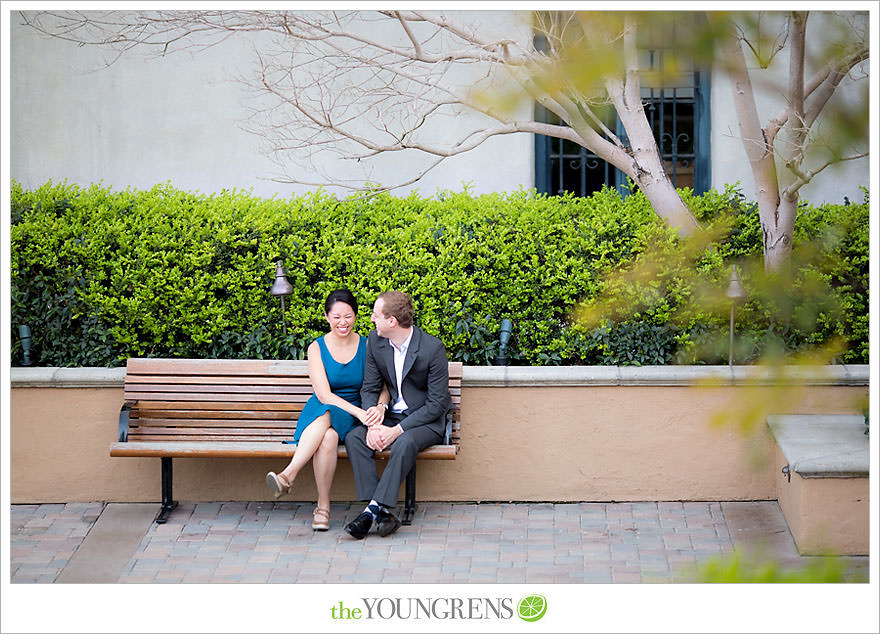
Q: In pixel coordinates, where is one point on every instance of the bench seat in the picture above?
(228, 449)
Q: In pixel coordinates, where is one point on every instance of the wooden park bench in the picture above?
(224, 408)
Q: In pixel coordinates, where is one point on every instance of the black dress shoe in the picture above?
(360, 526)
(387, 523)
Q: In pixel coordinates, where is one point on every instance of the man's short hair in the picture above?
(398, 305)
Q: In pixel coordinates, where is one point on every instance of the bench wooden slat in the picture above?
(178, 435)
(165, 403)
(218, 397)
(154, 392)
(206, 441)
(217, 380)
(222, 367)
(244, 423)
(181, 449)
(136, 382)
(214, 414)
(303, 391)
(208, 432)
(219, 406)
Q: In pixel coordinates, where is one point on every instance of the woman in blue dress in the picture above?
(336, 370)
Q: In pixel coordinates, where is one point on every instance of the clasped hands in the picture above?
(379, 436)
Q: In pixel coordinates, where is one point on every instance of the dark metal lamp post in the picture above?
(736, 293)
(504, 337)
(281, 288)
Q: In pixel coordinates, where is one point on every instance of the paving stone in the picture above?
(237, 542)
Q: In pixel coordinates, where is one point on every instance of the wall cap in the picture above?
(529, 376)
(823, 445)
(667, 375)
(67, 377)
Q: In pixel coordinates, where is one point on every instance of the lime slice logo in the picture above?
(532, 608)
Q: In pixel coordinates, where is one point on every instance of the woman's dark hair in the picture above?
(341, 295)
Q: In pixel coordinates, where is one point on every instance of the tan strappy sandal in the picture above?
(278, 483)
(321, 519)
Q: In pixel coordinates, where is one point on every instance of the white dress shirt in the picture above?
(399, 358)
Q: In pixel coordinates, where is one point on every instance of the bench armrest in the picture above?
(447, 434)
(123, 422)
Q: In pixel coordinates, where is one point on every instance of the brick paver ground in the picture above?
(237, 542)
(45, 536)
(456, 543)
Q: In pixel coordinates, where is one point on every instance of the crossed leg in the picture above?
(310, 442)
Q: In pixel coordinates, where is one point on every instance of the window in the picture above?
(679, 115)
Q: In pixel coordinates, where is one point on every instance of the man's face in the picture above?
(383, 323)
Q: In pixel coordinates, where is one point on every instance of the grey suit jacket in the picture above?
(425, 383)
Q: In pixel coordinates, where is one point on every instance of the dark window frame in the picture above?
(701, 154)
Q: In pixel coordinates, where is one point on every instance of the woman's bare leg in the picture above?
(324, 464)
(309, 442)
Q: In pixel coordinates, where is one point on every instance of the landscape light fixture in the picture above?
(281, 288)
(736, 293)
(24, 333)
(504, 337)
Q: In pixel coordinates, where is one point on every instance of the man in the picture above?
(413, 365)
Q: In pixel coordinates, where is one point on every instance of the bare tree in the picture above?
(791, 148)
(367, 84)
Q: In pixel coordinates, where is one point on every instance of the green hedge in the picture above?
(101, 275)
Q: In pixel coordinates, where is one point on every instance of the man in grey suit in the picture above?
(413, 365)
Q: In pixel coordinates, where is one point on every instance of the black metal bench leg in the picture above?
(409, 504)
(168, 503)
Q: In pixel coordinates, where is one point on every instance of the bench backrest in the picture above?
(227, 399)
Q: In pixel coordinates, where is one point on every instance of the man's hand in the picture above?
(375, 416)
(388, 435)
(374, 438)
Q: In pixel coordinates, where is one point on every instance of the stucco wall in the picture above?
(142, 121)
(538, 434)
(825, 515)
(731, 166)
(179, 119)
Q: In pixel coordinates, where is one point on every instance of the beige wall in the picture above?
(588, 443)
(825, 515)
(68, 123)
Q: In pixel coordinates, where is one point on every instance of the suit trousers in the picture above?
(404, 450)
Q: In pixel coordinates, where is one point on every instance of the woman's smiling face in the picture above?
(341, 318)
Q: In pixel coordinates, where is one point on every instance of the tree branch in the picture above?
(804, 177)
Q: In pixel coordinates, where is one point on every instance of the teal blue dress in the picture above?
(345, 381)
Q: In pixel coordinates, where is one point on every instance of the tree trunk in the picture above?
(777, 226)
(645, 164)
(777, 214)
(667, 204)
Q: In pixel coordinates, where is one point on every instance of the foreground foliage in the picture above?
(739, 568)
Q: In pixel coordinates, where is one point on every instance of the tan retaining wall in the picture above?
(528, 434)
(825, 515)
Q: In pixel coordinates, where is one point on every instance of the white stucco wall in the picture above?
(142, 121)
(178, 119)
(729, 162)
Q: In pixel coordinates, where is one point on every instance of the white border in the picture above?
(573, 608)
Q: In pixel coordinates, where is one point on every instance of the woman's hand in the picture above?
(374, 416)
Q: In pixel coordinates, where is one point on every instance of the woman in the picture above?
(336, 370)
